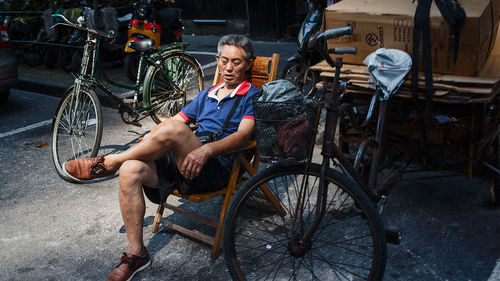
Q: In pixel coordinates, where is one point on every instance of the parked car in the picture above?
(8, 64)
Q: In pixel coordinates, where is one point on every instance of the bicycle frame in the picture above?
(332, 101)
(331, 151)
(101, 80)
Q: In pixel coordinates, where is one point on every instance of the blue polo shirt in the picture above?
(210, 114)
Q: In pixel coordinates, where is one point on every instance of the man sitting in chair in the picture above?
(172, 156)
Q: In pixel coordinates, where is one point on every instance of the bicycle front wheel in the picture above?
(301, 76)
(265, 226)
(179, 69)
(76, 129)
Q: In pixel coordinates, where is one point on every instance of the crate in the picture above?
(284, 131)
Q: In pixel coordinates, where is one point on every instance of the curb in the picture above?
(34, 85)
(58, 86)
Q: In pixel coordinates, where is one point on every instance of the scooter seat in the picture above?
(142, 45)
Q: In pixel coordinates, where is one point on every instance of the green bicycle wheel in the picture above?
(76, 129)
(179, 69)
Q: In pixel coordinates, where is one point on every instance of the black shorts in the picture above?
(213, 176)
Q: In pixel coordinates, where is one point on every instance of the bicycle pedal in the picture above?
(128, 101)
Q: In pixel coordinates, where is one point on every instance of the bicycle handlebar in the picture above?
(74, 25)
(337, 32)
(329, 34)
(342, 50)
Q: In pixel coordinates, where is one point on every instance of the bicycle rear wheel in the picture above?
(348, 243)
(183, 71)
(76, 129)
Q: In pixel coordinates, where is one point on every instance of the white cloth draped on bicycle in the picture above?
(388, 69)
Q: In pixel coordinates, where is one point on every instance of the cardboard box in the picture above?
(389, 24)
(492, 66)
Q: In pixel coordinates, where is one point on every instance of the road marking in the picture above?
(209, 65)
(27, 128)
(495, 274)
(203, 53)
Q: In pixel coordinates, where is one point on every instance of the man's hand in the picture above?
(194, 162)
(196, 159)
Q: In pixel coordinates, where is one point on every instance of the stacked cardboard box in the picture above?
(389, 24)
(492, 66)
(449, 88)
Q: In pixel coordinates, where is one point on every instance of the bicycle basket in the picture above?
(284, 131)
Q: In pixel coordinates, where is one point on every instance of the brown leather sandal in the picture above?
(87, 169)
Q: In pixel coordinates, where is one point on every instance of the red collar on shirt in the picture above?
(241, 90)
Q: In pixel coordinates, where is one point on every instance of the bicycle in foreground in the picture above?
(308, 221)
(171, 76)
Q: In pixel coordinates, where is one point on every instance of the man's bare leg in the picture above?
(174, 136)
(134, 174)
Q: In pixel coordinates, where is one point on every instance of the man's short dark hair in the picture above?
(237, 40)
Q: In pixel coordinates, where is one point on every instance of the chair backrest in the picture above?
(264, 70)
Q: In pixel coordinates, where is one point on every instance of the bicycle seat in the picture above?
(142, 45)
(388, 69)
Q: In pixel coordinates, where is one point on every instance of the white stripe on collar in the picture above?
(212, 93)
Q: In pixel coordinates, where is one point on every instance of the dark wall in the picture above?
(219, 9)
(275, 18)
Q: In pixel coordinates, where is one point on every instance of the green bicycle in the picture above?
(171, 76)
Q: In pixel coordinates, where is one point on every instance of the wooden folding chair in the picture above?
(263, 71)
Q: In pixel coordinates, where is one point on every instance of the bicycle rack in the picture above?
(49, 43)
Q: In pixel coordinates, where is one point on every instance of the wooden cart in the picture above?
(463, 137)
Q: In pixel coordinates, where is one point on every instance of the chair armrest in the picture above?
(249, 145)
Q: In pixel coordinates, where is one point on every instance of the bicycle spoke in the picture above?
(309, 268)
(262, 240)
(76, 129)
(170, 85)
(348, 249)
(336, 211)
(342, 245)
(335, 266)
(260, 256)
(280, 262)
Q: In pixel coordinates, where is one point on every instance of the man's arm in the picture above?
(239, 138)
(196, 159)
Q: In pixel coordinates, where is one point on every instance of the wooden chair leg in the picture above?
(227, 200)
(158, 216)
(274, 201)
(265, 189)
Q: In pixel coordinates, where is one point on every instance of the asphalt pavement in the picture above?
(54, 230)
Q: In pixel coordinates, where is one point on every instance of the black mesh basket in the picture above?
(284, 131)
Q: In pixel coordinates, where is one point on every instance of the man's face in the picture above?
(233, 65)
